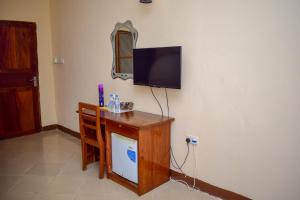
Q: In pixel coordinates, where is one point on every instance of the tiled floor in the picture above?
(47, 166)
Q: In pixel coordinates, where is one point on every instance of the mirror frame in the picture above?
(122, 26)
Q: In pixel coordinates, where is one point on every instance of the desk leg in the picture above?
(108, 151)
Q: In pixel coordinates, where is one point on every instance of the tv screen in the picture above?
(157, 67)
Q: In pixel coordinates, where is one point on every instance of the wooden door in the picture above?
(19, 91)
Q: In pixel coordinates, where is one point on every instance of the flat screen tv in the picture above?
(157, 67)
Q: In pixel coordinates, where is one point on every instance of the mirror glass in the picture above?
(123, 40)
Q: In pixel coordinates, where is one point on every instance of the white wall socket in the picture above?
(193, 139)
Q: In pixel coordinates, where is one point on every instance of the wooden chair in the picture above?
(91, 136)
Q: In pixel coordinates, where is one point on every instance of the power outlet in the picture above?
(193, 139)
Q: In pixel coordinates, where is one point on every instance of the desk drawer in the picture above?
(122, 129)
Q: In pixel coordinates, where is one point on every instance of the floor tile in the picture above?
(74, 168)
(53, 197)
(45, 169)
(56, 156)
(30, 183)
(63, 185)
(6, 182)
(15, 168)
(17, 196)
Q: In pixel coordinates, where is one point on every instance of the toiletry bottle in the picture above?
(101, 95)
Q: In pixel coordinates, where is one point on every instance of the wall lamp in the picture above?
(145, 1)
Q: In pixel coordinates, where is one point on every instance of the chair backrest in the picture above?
(89, 119)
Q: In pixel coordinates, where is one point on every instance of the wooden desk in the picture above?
(152, 133)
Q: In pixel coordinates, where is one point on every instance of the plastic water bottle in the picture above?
(111, 104)
(117, 104)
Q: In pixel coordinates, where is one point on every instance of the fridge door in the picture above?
(124, 157)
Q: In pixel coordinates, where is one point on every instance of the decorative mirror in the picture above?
(123, 41)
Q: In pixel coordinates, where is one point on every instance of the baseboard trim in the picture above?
(203, 186)
(62, 128)
(49, 127)
(207, 188)
(68, 131)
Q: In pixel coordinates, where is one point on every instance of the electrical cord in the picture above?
(193, 187)
(176, 166)
(167, 101)
(195, 166)
(185, 159)
(162, 113)
(181, 181)
(172, 154)
(186, 184)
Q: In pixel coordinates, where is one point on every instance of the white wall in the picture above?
(240, 83)
(37, 11)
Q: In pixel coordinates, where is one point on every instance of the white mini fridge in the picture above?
(124, 157)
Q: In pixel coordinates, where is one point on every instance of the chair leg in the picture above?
(84, 155)
(101, 162)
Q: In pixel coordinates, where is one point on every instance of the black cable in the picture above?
(167, 101)
(176, 167)
(162, 113)
(185, 159)
(172, 154)
(187, 154)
